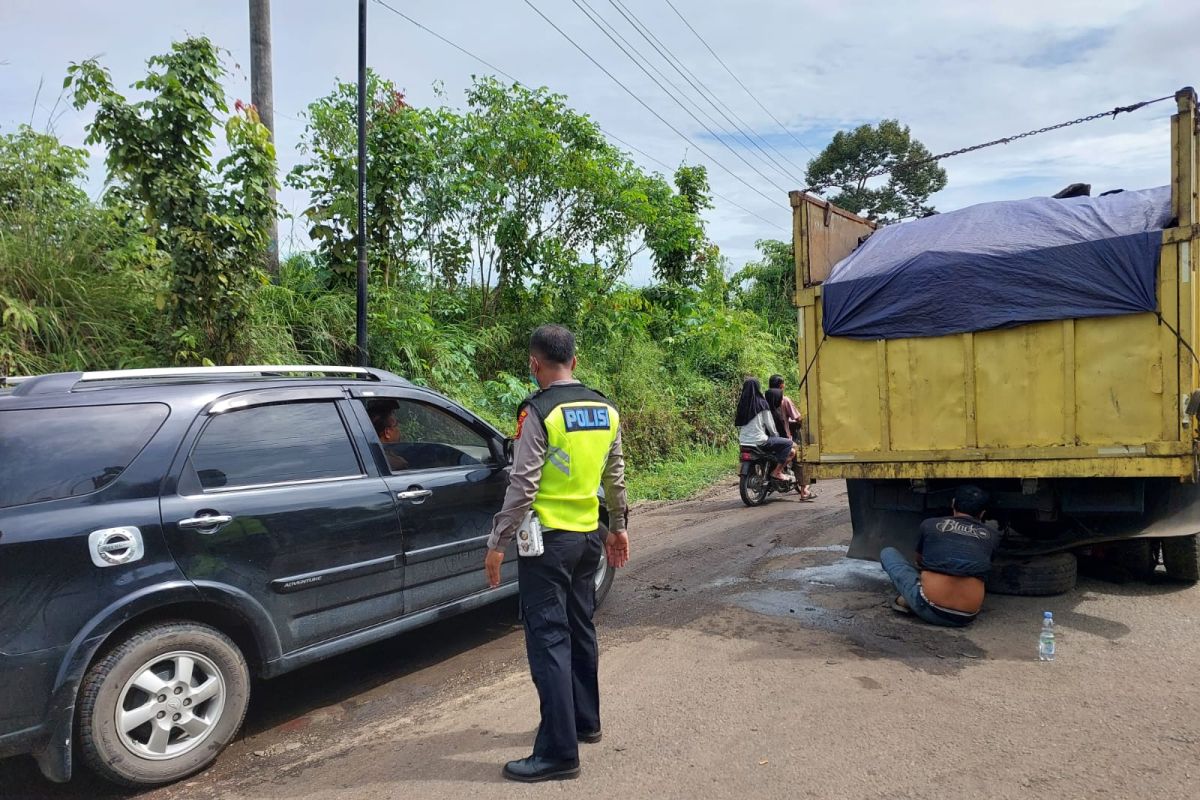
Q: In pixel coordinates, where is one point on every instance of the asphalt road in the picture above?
(744, 656)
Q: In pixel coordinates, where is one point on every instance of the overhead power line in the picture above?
(598, 19)
(708, 94)
(437, 35)
(746, 88)
(917, 162)
(607, 133)
(647, 106)
(582, 6)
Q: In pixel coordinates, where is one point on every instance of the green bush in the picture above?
(78, 284)
(485, 224)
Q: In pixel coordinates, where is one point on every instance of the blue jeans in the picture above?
(907, 580)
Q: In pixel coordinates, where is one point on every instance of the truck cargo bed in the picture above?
(1077, 398)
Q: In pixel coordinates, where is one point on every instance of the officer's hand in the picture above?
(491, 565)
(617, 548)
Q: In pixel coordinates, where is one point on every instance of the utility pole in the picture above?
(361, 315)
(262, 96)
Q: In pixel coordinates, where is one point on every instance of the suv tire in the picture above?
(1181, 558)
(604, 580)
(1034, 577)
(199, 680)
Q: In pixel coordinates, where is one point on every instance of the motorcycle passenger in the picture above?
(775, 403)
(756, 428)
(793, 430)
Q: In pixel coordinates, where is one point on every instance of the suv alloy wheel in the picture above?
(162, 704)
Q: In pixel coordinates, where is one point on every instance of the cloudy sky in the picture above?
(957, 72)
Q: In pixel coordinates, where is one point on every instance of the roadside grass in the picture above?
(679, 480)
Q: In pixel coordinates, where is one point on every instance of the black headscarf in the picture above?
(751, 404)
(775, 403)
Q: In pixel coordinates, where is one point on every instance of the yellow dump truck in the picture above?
(1082, 428)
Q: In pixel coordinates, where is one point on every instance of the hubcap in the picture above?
(170, 705)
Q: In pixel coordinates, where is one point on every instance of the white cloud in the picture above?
(958, 73)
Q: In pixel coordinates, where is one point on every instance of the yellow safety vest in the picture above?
(581, 426)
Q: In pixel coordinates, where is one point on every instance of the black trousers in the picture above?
(558, 598)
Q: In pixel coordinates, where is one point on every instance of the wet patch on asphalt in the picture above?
(818, 588)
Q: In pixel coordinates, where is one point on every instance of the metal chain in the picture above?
(921, 161)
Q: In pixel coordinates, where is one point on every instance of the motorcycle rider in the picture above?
(756, 428)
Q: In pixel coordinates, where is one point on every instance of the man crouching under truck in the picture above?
(954, 556)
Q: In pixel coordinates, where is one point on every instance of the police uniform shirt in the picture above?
(529, 457)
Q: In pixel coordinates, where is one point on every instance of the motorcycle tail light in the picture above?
(747, 456)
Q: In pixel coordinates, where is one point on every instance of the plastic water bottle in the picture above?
(1046, 639)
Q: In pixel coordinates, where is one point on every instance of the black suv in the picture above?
(165, 533)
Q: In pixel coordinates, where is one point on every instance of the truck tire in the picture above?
(1137, 559)
(1181, 557)
(1034, 577)
(162, 704)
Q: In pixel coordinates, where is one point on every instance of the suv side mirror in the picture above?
(508, 450)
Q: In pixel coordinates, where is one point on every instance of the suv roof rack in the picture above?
(252, 371)
(68, 381)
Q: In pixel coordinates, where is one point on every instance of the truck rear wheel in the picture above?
(1134, 559)
(1181, 557)
(1034, 577)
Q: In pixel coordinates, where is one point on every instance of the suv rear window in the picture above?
(273, 444)
(52, 453)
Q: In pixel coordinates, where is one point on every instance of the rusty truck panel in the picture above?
(825, 234)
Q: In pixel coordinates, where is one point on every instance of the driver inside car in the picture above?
(383, 419)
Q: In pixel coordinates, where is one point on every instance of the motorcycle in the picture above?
(755, 482)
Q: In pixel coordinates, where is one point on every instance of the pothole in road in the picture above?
(820, 593)
(847, 596)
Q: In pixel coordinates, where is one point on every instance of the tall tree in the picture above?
(852, 155)
(766, 286)
(212, 221)
(516, 194)
(676, 234)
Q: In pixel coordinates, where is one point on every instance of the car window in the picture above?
(52, 453)
(417, 436)
(274, 444)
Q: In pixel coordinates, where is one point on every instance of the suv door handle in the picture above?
(205, 524)
(414, 496)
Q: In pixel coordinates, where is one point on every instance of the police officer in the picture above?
(568, 444)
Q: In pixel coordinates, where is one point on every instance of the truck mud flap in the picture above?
(876, 528)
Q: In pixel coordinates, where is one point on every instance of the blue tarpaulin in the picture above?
(996, 265)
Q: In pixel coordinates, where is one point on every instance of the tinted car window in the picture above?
(52, 453)
(274, 444)
(426, 437)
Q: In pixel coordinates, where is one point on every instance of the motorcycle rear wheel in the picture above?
(755, 485)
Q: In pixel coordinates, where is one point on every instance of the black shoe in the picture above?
(534, 769)
(591, 737)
